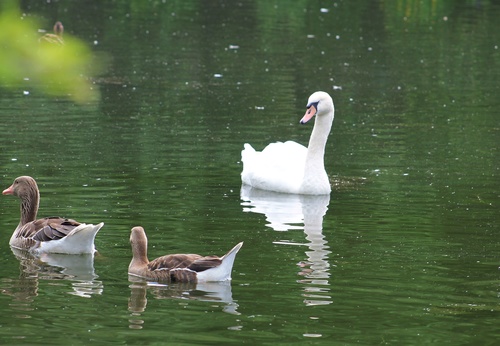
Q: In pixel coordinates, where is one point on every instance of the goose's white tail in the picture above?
(222, 272)
(78, 241)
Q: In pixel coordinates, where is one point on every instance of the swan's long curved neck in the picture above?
(317, 143)
(29, 207)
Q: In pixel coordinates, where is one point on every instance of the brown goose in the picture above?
(50, 234)
(56, 37)
(179, 267)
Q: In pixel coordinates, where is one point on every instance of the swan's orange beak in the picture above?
(311, 111)
(8, 191)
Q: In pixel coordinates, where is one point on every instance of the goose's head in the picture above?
(23, 187)
(138, 238)
(58, 29)
(319, 103)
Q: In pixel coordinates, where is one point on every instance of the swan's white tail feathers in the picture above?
(247, 153)
(248, 147)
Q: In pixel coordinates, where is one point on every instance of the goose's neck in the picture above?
(29, 206)
(139, 254)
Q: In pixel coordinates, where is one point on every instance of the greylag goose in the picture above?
(187, 268)
(56, 37)
(290, 167)
(50, 234)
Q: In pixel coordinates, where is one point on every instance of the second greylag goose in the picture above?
(56, 37)
(189, 268)
(50, 234)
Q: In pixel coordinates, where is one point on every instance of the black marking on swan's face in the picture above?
(315, 104)
(312, 110)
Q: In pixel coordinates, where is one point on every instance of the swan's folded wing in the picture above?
(279, 167)
(289, 148)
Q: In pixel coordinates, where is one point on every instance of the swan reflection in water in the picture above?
(286, 212)
(216, 292)
(77, 269)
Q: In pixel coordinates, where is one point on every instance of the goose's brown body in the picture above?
(189, 268)
(50, 234)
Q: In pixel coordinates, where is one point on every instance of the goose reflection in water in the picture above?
(215, 292)
(285, 212)
(77, 269)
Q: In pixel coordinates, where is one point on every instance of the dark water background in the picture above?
(404, 250)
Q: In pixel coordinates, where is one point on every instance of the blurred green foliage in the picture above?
(28, 61)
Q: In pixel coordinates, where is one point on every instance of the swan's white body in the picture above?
(290, 167)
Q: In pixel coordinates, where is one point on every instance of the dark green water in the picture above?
(404, 250)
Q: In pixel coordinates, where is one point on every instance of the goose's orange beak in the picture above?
(8, 191)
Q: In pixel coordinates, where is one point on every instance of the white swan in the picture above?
(290, 167)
